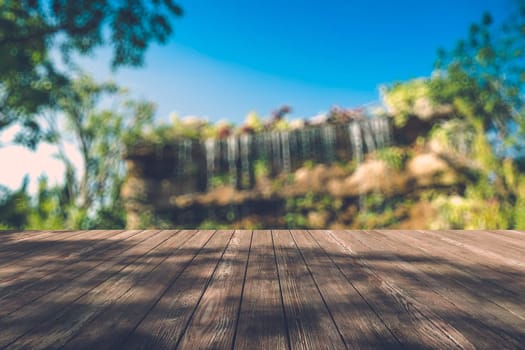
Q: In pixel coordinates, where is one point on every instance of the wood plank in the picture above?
(91, 291)
(51, 235)
(316, 289)
(261, 320)
(44, 279)
(113, 326)
(214, 321)
(309, 321)
(510, 265)
(15, 235)
(512, 239)
(164, 325)
(43, 257)
(410, 321)
(482, 284)
(515, 234)
(493, 242)
(492, 251)
(15, 251)
(510, 270)
(360, 327)
(461, 314)
(469, 276)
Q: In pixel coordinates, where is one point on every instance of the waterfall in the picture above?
(184, 153)
(381, 130)
(267, 139)
(293, 149)
(286, 158)
(276, 152)
(245, 158)
(231, 143)
(210, 146)
(375, 129)
(304, 144)
(189, 154)
(180, 159)
(368, 135)
(313, 140)
(328, 141)
(386, 129)
(284, 151)
(356, 141)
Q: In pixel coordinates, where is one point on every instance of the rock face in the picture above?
(429, 169)
(371, 176)
(267, 203)
(337, 192)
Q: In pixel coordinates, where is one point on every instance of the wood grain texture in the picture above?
(310, 323)
(513, 234)
(12, 236)
(262, 321)
(41, 279)
(412, 323)
(359, 325)
(510, 240)
(507, 271)
(213, 323)
(494, 251)
(15, 236)
(465, 315)
(83, 310)
(51, 259)
(277, 289)
(41, 323)
(459, 276)
(113, 326)
(26, 249)
(167, 321)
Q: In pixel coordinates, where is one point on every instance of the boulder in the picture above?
(318, 219)
(373, 175)
(430, 169)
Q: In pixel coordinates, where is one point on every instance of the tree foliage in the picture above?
(484, 75)
(89, 197)
(31, 29)
(100, 135)
(14, 207)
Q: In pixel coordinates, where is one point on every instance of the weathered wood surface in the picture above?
(275, 289)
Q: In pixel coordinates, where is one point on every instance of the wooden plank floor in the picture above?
(275, 289)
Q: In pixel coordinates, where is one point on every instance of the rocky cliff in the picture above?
(358, 173)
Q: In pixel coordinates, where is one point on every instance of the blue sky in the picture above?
(228, 58)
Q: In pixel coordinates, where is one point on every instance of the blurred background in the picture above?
(333, 114)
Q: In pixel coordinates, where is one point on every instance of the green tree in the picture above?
(31, 29)
(15, 207)
(100, 135)
(49, 207)
(484, 76)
